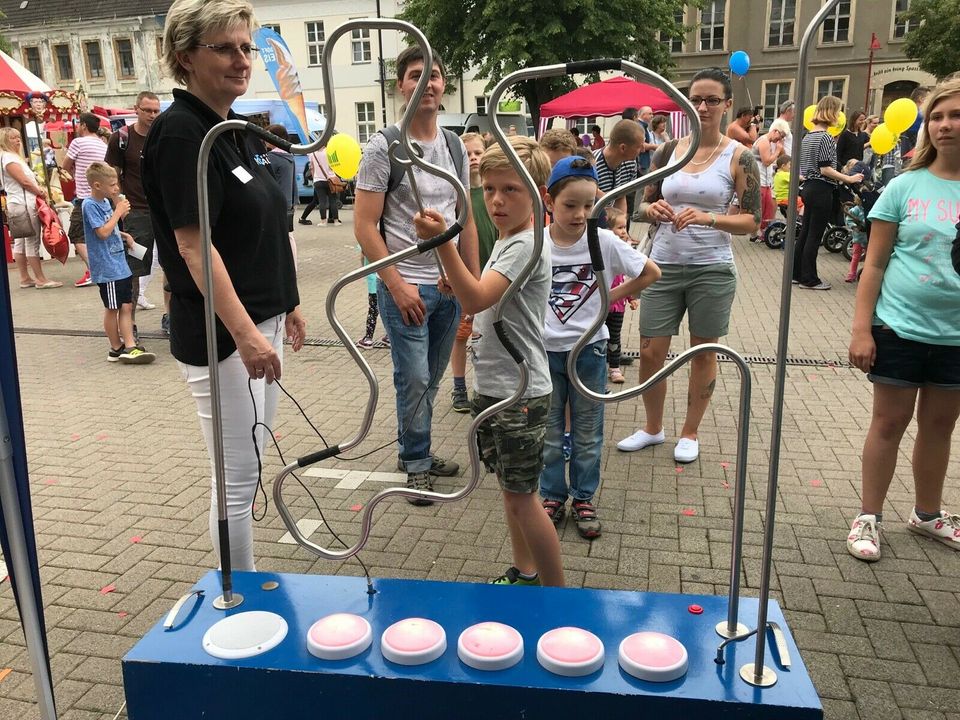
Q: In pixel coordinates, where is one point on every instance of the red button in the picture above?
(695, 610)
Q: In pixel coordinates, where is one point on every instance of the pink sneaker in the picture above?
(863, 542)
(945, 529)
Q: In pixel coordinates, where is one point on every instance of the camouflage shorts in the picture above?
(511, 442)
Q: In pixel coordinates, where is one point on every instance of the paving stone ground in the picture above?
(115, 453)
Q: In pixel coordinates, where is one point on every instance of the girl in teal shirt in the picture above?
(906, 330)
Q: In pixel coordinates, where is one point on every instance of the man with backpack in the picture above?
(124, 151)
(419, 313)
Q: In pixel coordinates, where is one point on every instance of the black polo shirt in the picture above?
(247, 213)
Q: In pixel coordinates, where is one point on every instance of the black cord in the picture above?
(276, 444)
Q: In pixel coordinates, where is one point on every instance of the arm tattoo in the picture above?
(750, 199)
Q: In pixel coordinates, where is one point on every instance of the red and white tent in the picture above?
(14, 77)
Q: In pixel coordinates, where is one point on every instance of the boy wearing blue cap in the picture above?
(573, 306)
(510, 442)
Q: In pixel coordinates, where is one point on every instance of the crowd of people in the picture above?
(546, 448)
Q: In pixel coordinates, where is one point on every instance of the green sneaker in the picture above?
(512, 577)
(136, 356)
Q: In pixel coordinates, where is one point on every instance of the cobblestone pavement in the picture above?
(119, 479)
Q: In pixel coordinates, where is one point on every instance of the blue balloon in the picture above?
(739, 63)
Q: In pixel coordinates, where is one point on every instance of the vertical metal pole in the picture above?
(10, 501)
(756, 673)
(382, 70)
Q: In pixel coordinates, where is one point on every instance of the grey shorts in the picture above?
(511, 442)
(704, 292)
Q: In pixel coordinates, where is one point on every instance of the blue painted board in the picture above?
(168, 674)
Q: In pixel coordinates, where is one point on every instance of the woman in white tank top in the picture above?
(693, 248)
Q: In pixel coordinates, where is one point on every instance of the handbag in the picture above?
(55, 240)
(334, 184)
(19, 218)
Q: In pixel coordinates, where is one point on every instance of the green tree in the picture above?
(498, 37)
(934, 42)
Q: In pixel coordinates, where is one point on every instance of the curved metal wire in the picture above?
(397, 151)
(733, 604)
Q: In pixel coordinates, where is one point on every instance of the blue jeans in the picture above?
(586, 426)
(420, 355)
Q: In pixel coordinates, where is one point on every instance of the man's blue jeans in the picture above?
(420, 355)
(586, 426)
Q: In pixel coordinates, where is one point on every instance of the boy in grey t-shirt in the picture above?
(511, 442)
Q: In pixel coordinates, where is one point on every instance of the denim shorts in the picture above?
(909, 363)
(511, 442)
(704, 292)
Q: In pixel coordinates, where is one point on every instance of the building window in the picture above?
(315, 40)
(31, 58)
(275, 28)
(124, 50)
(901, 26)
(93, 60)
(774, 95)
(581, 124)
(481, 105)
(711, 25)
(831, 86)
(836, 27)
(366, 122)
(63, 62)
(783, 13)
(360, 44)
(674, 44)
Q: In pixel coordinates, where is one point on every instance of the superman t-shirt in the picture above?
(574, 294)
(920, 296)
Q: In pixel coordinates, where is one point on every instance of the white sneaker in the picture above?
(145, 304)
(639, 440)
(687, 450)
(945, 529)
(863, 542)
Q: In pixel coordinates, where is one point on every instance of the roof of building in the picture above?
(26, 13)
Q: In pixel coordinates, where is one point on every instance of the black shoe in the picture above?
(461, 403)
(305, 221)
(419, 481)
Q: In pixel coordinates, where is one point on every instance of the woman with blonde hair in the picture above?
(906, 330)
(818, 167)
(22, 189)
(207, 47)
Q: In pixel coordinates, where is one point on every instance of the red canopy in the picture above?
(607, 99)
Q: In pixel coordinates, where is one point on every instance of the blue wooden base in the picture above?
(167, 675)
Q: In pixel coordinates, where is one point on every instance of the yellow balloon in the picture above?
(882, 140)
(900, 115)
(343, 154)
(835, 130)
(808, 116)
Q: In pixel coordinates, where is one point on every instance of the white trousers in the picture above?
(240, 460)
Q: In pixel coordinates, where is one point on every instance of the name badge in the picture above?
(242, 174)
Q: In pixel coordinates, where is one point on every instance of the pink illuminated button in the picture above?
(339, 636)
(570, 651)
(413, 641)
(653, 656)
(490, 646)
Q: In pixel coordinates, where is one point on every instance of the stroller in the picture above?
(864, 194)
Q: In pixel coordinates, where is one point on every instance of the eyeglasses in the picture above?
(148, 111)
(228, 50)
(711, 101)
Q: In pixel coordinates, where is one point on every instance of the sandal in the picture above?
(588, 525)
(555, 511)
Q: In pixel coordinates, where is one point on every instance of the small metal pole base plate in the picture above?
(221, 604)
(768, 678)
(724, 632)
